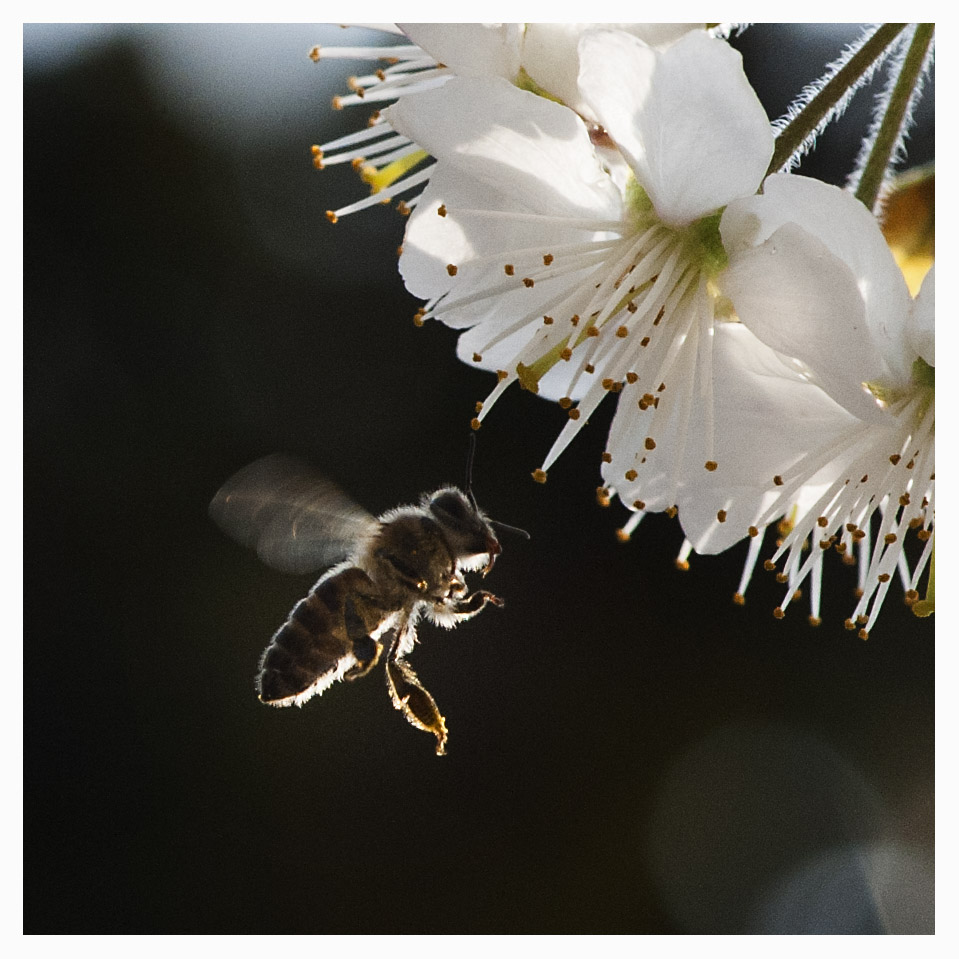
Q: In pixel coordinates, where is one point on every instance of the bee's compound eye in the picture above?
(451, 505)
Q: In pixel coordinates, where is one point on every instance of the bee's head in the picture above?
(468, 532)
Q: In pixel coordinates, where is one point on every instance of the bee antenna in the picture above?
(469, 472)
(496, 524)
(506, 528)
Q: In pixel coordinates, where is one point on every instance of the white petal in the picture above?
(551, 55)
(766, 417)
(687, 119)
(471, 49)
(922, 320)
(479, 247)
(850, 232)
(534, 150)
(804, 302)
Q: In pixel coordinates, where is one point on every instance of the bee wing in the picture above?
(297, 520)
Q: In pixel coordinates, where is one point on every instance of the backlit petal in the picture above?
(686, 118)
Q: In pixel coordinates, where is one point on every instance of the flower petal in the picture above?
(805, 303)
(471, 49)
(551, 53)
(686, 118)
(921, 328)
(766, 416)
(848, 231)
(531, 149)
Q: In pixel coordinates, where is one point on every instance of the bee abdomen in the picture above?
(323, 639)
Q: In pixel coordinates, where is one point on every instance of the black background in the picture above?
(629, 752)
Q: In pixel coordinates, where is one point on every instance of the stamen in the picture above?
(384, 196)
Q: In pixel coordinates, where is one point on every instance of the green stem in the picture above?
(807, 120)
(890, 130)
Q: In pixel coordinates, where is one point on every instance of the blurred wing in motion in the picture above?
(296, 519)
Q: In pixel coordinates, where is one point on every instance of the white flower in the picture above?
(568, 280)
(541, 57)
(847, 418)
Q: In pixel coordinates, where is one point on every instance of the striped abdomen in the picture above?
(326, 638)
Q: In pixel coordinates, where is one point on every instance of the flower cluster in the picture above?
(606, 211)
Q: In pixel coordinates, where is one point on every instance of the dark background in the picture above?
(629, 752)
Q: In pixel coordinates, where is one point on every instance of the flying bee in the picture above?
(387, 573)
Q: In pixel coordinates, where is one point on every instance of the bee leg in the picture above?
(366, 650)
(470, 606)
(412, 700)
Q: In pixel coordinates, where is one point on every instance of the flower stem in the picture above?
(808, 119)
(894, 118)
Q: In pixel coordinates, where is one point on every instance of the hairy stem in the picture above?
(829, 97)
(895, 117)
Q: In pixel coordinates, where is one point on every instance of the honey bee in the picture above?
(386, 574)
